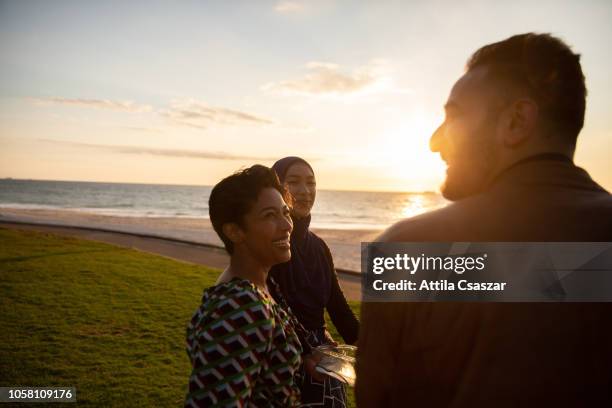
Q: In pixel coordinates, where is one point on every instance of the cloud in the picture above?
(187, 112)
(141, 129)
(139, 150)
(124, 106)
(327, 79)
(286, 7)
(199, 115)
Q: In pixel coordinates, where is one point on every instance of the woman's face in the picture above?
(267, 227)
(300, 182)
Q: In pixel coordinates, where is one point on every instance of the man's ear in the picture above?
(518, 122)
(233, 232)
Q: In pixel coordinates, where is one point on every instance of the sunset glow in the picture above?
(188, 94)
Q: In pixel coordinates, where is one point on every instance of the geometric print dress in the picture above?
(244, 350)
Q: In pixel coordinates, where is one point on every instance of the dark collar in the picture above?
(555, 157)
(300, 229)
(545, 169)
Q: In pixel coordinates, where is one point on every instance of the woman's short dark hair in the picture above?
(234, 196)
(550, 72)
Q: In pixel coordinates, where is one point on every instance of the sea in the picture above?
(347, 210)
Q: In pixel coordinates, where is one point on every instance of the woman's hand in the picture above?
(329, 339)
(310, 363)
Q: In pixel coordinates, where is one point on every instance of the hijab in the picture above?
(305, 280)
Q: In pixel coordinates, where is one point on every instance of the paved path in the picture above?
(202, 254)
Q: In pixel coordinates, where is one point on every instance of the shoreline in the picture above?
(345, 244)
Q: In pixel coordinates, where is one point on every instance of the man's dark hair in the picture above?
(548, 70)
(234, 196)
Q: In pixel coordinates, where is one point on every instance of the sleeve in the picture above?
(227, 345)
(341, 314)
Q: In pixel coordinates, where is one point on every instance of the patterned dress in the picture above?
(244, 350)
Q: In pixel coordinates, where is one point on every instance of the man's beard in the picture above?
(471, 173)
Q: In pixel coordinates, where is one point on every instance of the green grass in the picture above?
(107, 320)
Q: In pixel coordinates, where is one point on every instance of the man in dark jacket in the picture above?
(508, 139)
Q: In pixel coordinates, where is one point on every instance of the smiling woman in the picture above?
(243, 345)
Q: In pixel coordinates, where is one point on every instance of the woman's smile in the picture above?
(282, 243)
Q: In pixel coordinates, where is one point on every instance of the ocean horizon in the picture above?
(334, 209)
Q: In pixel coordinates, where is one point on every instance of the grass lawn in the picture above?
(107, 320)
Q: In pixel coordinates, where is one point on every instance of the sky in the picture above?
(188, 92)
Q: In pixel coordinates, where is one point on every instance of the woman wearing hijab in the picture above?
(309, 283)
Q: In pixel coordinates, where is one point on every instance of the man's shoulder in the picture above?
(511, 215)
(431, 226)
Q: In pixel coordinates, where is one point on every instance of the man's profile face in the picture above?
(466, 140)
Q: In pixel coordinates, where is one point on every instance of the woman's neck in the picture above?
(246, 267)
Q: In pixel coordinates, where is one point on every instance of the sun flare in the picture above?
(407, 154)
